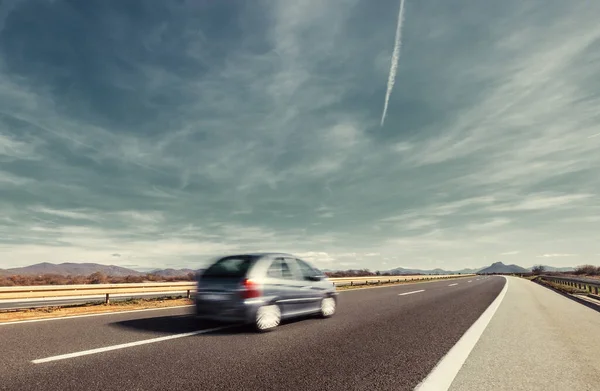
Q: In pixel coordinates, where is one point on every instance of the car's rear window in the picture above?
(230, 267)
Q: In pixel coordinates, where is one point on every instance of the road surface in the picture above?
(388, 338)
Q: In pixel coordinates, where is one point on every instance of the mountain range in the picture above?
(496, 267)
(85, 269)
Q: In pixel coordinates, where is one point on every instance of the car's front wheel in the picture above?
(267, 317)
(328, 307)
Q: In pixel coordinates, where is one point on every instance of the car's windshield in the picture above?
(229, 267)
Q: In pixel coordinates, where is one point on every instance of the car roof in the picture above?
(263, 254)
(266, 254)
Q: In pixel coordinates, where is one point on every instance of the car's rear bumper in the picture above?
(240, 312)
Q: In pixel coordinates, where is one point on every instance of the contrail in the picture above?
(395, 58)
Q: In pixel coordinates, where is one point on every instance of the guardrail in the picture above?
(104, 292)
(355, 281)
(589, 285)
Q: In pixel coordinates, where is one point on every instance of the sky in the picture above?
(161, 134)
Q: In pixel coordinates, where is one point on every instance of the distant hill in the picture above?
(469, 271)
(403, 271)
(74, 269)
(499, 267)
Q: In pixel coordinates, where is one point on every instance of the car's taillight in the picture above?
(251, 289)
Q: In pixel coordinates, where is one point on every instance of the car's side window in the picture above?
(306, 269)
(280, 269)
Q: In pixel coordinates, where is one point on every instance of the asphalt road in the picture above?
(379, 339)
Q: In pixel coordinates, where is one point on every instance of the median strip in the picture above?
(124, 346)
(410, 293)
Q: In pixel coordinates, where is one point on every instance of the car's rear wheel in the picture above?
(267, 317)
(328, 307)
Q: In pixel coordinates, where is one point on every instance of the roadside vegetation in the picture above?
(364, 273)
(587, 270)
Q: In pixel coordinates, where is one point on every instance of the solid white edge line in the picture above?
(410, 293)
(452, 284)
(124, 345)
(90, 315)
(443, 374)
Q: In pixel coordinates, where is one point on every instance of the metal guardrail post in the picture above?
(188, 295)
(107, 300)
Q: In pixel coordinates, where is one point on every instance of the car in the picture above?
(262, 289)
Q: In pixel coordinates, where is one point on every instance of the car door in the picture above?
(317, 287)
(282, 283)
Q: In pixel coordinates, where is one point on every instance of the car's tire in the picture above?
(328, 307)
(267, 318)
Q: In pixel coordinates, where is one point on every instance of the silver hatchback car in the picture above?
(263, 289)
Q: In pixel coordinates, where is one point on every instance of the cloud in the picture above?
(510, 253)
(490, 224)
(8, 178)
(13, 149)
(540, 202)
(185, 131)
(556, 255)
(70, 214)
(394, 61)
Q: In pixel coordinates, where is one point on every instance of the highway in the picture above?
(25, 297)
(386, 338)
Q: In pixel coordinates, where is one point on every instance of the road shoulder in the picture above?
(537, 340)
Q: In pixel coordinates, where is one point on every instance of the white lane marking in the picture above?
(124, 345)
(470, 281)
(452, 284)
(442, 376)
(89, 315)
(410, 293)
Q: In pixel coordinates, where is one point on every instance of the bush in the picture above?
(587, 270)
(538, 269)
(5, 281)
(97, 278)
(350, 273)
(134, 279)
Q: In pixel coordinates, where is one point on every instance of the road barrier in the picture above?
(57, 291)
(353, 281)
(104, 292)
(590, 286)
